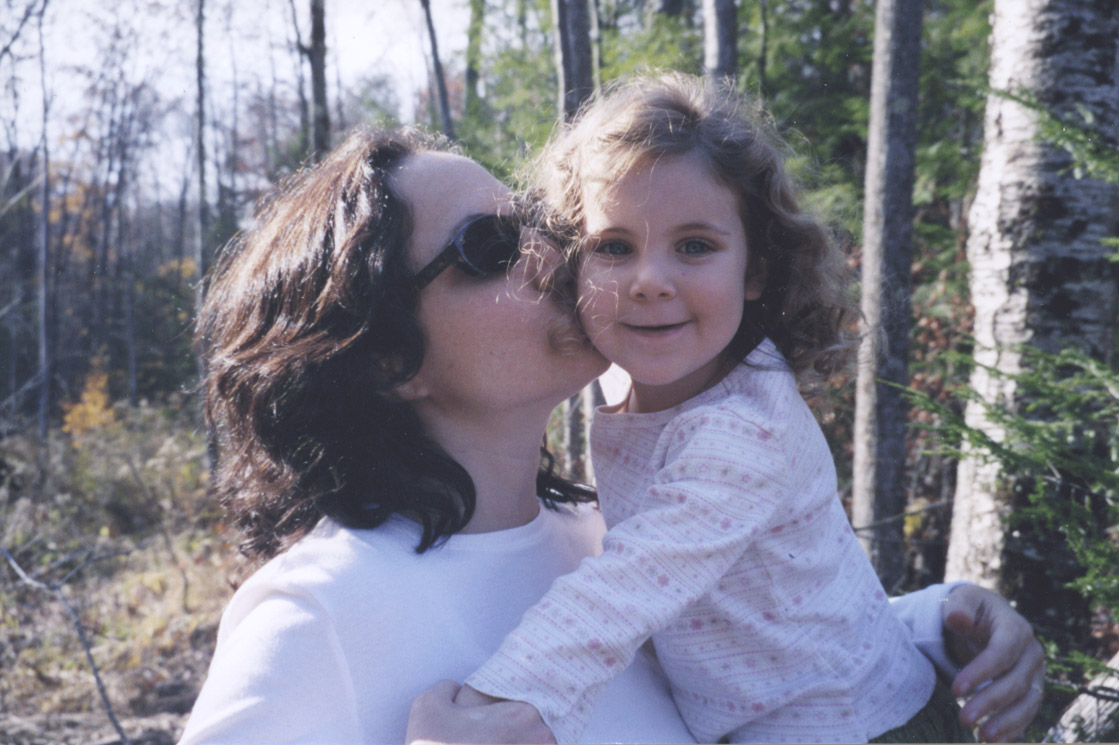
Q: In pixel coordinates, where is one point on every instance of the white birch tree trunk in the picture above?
(1039, 273)
(1091, 718)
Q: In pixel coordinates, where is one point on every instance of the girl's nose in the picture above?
(652, 280)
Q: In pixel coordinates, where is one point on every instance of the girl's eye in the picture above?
(612, 249)
(695, 247)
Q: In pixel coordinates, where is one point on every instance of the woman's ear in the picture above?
(412, 389)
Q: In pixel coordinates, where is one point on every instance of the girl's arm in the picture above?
(697, 521)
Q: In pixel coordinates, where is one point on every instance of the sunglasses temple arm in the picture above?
(447, 257)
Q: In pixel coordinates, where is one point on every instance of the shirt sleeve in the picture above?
(278, 676)
(920, 612)
(722, 480)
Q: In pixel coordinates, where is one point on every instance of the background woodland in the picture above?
(964, 152)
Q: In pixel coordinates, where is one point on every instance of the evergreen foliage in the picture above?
(1061, 454)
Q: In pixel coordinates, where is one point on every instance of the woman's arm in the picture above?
(277, 676)
(1004, 669)
(976, 637)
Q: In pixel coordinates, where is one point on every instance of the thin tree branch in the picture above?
(7, 48)
(903, 515)
(56, 590)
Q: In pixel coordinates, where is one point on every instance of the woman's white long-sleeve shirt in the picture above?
(329, 642)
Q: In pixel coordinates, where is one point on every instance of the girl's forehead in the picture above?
(602, 180)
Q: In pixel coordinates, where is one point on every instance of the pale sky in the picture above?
(249, 36)
(248, 39)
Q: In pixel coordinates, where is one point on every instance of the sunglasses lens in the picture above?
(490, 244)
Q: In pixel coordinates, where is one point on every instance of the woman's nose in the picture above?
(652, 280)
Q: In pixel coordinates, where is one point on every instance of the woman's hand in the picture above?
(450, 713)
(997, 646)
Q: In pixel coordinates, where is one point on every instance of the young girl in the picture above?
(727, 544)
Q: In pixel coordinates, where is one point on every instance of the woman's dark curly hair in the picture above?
(807, 306)
(308, 323)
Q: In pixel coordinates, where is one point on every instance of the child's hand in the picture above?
(997, 645)
(450, 713)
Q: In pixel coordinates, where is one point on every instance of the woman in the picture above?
(381, 355)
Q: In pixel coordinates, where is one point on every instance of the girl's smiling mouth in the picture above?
(652, 329)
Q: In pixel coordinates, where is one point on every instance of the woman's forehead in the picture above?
(446, 180)
(442, 189)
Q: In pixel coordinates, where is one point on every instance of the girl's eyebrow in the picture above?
(612, 230)
(700, 225)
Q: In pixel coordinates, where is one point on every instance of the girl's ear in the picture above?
(755, 280)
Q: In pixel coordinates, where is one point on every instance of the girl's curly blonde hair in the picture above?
(807, 307)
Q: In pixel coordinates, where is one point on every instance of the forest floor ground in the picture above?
(151, 640)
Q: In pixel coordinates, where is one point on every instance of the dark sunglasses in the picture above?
(483, 246)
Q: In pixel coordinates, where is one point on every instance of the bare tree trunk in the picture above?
(271, 140)
(763, 49)
(317, 56)
(301, 85)
(575, 68)
(41, 259)
(129, 274)
(340, 122)
(720, 40)
(201, 258)
(522, 23)
(574, 427)
(474, 56)
(573, 53)
(180, 240)
(234, 134)
(596, 46)
(878, 491)
(670, 8)
(437, 66)
(1039, 273)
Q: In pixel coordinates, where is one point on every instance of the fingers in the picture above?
(526, 724)
(987, 634)
(440, 694)
(1005, 668)
(1009, 724)
(1009, 651)
(1008, 704)
(468, 696)
(430, 706)
(450, 713)
(960, 643)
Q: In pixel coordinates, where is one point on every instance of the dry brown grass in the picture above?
(122, 527)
